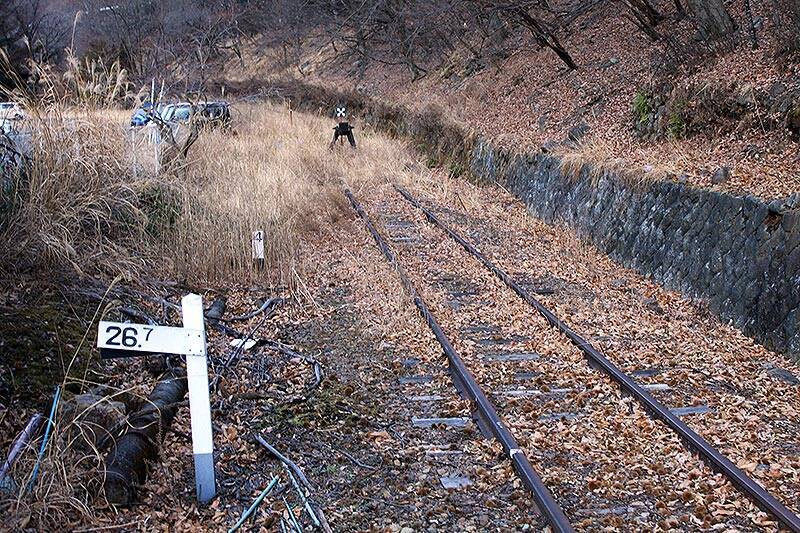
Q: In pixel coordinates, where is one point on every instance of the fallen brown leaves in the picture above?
(632, 458)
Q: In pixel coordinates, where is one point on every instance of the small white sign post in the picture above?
(258, 249)
(258, 245)
(119, 339)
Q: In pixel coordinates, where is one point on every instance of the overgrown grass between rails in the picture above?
(93, 199)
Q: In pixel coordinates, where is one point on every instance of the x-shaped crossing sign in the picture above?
(340, 112)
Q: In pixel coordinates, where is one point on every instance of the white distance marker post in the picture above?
(119, 339)
(199, 404)
(258, 249)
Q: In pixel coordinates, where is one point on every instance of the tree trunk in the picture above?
(544, 37)
(646, 10)
(751, 24)
(680, 13)
(714, 19)
(126, 463)
(793, 9)
(645, 17)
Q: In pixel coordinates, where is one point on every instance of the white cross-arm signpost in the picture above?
(118, 339)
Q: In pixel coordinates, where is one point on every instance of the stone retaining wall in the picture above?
(740, 254)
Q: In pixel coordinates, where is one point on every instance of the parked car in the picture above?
(207, 114)
(181, 112)
(142, 116)
(11, 111)
(145, 114)
(216, 114)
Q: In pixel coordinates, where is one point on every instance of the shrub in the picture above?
(642, 106)
(676, 125)
(162, 204)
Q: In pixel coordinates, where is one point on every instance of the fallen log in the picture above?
(127, 462)
(217, 308)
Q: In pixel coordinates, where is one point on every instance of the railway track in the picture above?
(485, 413)
(509, 355)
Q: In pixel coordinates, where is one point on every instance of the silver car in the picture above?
(177, 112)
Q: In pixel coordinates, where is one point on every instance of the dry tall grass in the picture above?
(74, 203)
(600, 155)
(92, 199)
(272, 176)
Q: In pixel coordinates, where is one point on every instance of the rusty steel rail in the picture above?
(488, 419)
(706, 451)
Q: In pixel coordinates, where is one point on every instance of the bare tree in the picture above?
(412, 34)
(194, 41)
(43, 31)
(680, 12)
(644, 16)
(713, 18)
(542, 32)
(187, 40)
(30, 32)
(751, 24)
(129, 32)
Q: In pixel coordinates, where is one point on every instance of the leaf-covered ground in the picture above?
(608, 464)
